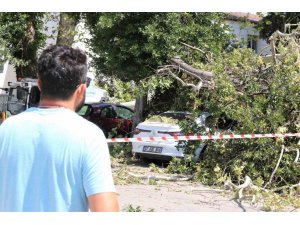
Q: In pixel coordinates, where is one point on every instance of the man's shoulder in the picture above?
(16, 118)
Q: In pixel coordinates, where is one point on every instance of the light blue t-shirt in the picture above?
(52, 160)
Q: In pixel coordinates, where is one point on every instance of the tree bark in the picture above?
(27, 53)
(205, 75)
(66, 29)
(139, 109)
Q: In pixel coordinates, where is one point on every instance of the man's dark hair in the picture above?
(61, 69)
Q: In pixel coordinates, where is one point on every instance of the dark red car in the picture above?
(112, 118)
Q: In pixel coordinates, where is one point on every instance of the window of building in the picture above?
(252, 42)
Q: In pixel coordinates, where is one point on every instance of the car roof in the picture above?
(105, 104)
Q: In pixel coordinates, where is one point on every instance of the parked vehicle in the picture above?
(19, 96)
(7, 74)
(93, 92)
(16, 95)
(165, 150)
(111, 118)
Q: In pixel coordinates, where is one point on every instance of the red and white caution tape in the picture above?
(200, 137)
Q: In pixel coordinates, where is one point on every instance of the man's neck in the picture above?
(46, 103)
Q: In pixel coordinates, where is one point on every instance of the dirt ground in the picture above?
(139, 191)
(177, 197)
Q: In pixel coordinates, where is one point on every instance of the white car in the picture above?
(164, 150)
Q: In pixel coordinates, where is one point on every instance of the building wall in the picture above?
(7, 74)
(245, 33)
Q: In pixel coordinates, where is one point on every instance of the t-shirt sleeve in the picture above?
(97, 174)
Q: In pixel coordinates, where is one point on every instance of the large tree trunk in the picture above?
(27, 53)
(66, 29)
(139, 110)
(205, 75)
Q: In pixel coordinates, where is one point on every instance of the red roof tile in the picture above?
(248, 16)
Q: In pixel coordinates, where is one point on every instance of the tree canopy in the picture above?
(131, 46)
(252, 96)
(21, 35)
(273, 21)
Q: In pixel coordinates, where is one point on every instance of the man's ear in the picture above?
(81, 89)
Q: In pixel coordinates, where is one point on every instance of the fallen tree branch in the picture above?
(289, 25)
(208, 55)
(194, 87)
(263, 49)
(276, 167)
(152, 177)
(275, 37)
(240, 188)
(166, 71)
(273, 48)
(280, 34)
(247, 183)
(297, 156)
(192, 47)
(205, 75)
(285, 187)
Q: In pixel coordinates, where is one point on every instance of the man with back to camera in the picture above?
(51, 159)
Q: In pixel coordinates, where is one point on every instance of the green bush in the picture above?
(118, 150)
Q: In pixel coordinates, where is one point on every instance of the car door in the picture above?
(108, 119)
(86, 111)
(116, 119)
(125, 117)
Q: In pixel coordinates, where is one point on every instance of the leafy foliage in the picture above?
(131, 208)
(120, 150)
(254, 98)
(172, 97)
(132, 45)
(20, 38)
(120, 91)
(273, 21)
(186, 166)
(162, 119)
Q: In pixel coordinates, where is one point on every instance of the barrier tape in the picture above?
(202, 137)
